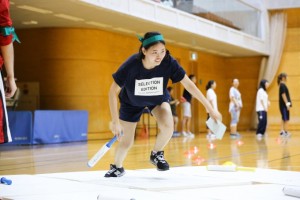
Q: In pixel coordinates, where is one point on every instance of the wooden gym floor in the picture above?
(273, 152)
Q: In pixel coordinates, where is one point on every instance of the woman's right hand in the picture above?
(117, 129)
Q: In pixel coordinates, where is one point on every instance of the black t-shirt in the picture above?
(283, 89)
(187, 95)
(146, 87)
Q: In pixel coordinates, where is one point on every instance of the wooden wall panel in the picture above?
(77, 77)
(74, 68)
(99, 115)
(247, 71)
(293, 17)
(290, 61)
(292, 42)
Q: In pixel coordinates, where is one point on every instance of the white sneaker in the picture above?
(259, 136)
(184, 134)
(191, 135)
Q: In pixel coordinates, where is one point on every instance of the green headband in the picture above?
(150, 39)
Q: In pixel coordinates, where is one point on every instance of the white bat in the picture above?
(100, 153)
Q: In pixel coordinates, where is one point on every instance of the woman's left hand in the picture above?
(216, 115)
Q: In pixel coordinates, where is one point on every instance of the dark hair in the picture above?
(280, 77)
(192, 76)
(169, 88)
(209, 84)
(262, 84)
(146, 36)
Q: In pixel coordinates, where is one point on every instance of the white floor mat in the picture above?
(176, 184)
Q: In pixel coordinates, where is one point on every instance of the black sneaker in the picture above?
(115, 172)
(159, 161)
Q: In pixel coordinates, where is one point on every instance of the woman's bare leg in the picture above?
(125, 142)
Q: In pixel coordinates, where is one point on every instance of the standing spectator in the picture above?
(7, 36)
(174, 103)
(262, 104)
(235, 107)
(212, 99)
(285, 103)
(187, 111)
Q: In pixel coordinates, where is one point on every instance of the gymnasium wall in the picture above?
(290, 63)
(74, 66)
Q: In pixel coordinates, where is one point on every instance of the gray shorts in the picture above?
(235, 116)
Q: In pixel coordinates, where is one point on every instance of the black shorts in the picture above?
(285, 114)
(131, 113)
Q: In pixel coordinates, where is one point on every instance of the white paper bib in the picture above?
(149, 87)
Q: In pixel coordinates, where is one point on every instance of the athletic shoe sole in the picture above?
(153, 163)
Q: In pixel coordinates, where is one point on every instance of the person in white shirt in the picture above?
(235, 107)
(262, 104)
(212, 99)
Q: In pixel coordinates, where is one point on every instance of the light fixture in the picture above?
(124, 30)
(98, 24)
(34, 9)
(169, 41)
(200, 48)
(225, 54)
(69, 17)
(93, 2)
(212, 51)
(183, 44)
(31, 22)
